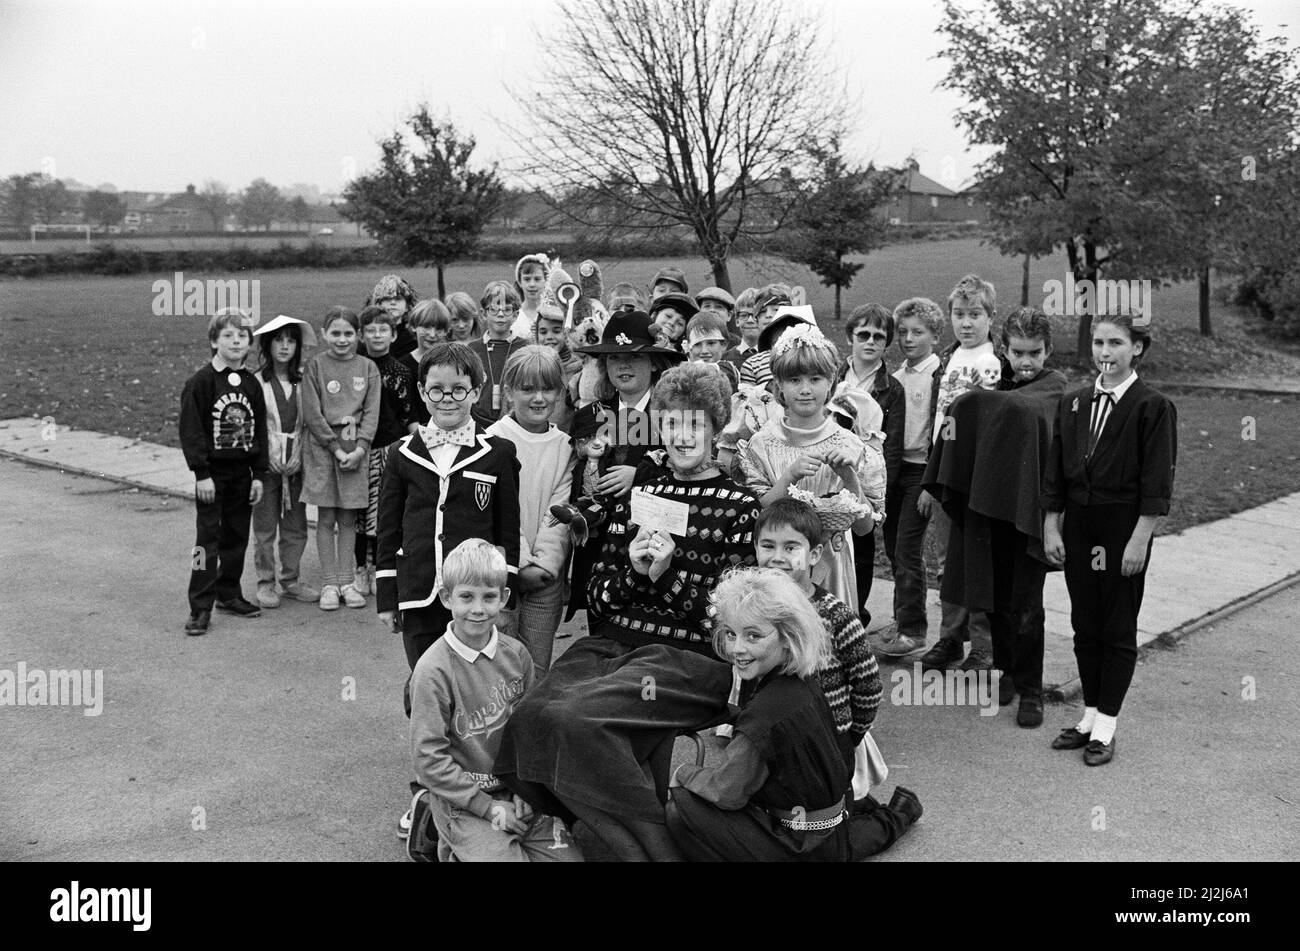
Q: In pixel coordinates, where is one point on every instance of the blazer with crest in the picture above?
(1133, 462)
(424, 514)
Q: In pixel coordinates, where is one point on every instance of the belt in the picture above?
(815, 821)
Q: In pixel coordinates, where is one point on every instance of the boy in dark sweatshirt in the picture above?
(223, 435)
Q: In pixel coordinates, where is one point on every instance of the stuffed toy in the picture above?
(591, 508)
(589, 319)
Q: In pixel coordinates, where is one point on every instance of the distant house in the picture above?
(164, 213)
(922, 200)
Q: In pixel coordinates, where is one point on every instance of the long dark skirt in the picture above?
(587, 731)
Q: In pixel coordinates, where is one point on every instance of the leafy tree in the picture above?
(260, 204)
(1103, 116)
(103, 208)
(50, 199)
(425, 203)
(298, 210)
(18, 200)
(679, 116)
(215, 200)
(839, 216)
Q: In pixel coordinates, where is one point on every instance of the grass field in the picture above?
(90, 353)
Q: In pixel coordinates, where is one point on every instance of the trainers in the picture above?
(198, 623)
(352, 597)
(266, 595)
(902, 645)
(979, 659)
(942, 654)
(240, 607)
(329, 598)
(301, 592)
(422, 834)
(404, 823)
(361, 582)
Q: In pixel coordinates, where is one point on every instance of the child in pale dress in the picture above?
(809, 454)
(340, 406)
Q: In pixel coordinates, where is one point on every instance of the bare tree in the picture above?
(679, 114)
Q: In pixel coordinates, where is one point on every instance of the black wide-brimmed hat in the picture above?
(684, 304)
(629, 332)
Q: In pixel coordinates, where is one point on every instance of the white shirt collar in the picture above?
(488, 339)
(641, 404)
(468, 653)
(931, 361)
(1119, 391)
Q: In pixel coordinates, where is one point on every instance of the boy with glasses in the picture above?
(445, 483)
(865, 379)
(500, 304)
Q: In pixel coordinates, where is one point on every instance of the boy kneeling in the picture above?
(463, 691)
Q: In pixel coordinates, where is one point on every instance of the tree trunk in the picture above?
(1024, 283)
(721, 277)
(837, 302)
(1085, 270)
(1203, 300)
(442, 286)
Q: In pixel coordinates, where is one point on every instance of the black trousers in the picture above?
(1104, 604)
(421, 627)
(221, 530)
(1016, 621)
(864, 560)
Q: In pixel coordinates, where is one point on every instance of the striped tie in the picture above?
(1103, 401)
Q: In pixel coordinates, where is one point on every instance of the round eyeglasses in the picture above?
(458, 393)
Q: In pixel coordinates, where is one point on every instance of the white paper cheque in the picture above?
(656, 514)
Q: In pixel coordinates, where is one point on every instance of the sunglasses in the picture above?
(862, 336)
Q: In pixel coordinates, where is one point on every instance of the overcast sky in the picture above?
(159, 94)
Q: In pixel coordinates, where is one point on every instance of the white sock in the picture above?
(1104, 728)
(1089, 717)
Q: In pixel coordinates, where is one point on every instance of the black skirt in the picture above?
(587, 730)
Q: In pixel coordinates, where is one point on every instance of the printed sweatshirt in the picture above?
(223, 421)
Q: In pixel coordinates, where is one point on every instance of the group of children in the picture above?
(462, 463)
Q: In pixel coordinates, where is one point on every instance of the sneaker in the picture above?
(329, 598)
(198, 623)
(301, 592)
(902, 645)
(942, 654)
(421, 835)
(266, 595)
(979, 659)
(352, 597)
(240, 607)
(404, 823)
(361, 582)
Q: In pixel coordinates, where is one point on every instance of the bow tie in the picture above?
(1098, 394)
(434, 437)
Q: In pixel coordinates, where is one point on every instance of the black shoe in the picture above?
(1070, 739)
(1098, 753)
(906, 802)
(1006, 690)
(979, 659)
(240, 607)
(942, 654)
(198, 623)
(1030, 712)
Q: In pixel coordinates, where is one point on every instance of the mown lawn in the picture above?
(90, 353)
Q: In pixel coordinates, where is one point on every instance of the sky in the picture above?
(153, 95)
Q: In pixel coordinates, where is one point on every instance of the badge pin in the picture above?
(1075, 407)
(233, 379)
(358, 383)
(333, 386)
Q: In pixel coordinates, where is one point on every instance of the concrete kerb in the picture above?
(1072, 690)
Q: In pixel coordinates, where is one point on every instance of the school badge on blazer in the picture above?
(482, 488)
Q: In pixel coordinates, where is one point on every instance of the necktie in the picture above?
(1102, 403)
(434, 437)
